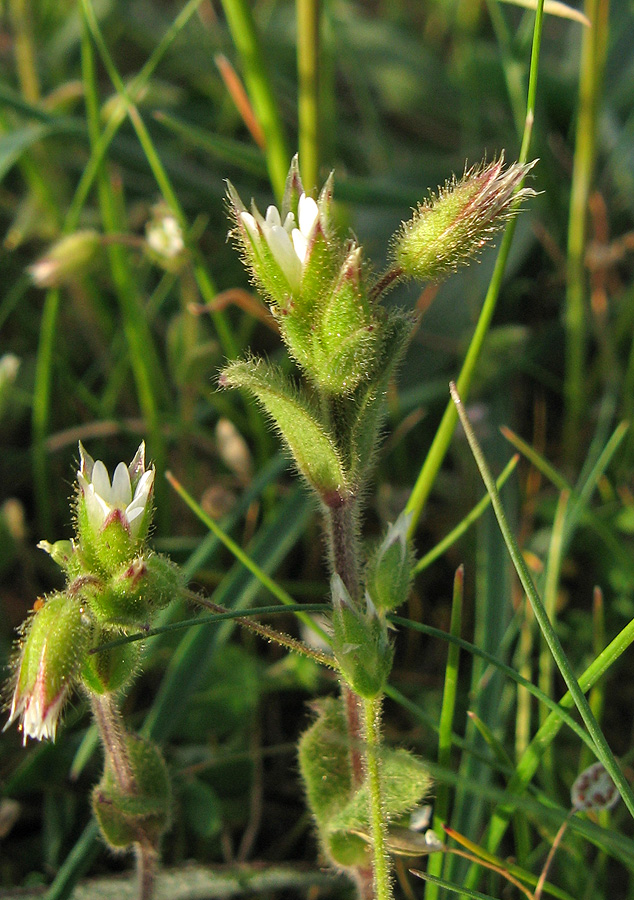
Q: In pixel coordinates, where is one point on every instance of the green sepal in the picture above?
(56, 639)
(134, 592)
(325, 767)
(345, 333)
(110, 669)
(360, 643)
(297, 334)
(106, 550)
(405, 780)
(256, 255)
(323, 261)
(143, 814)
(312, 446)
(389, 569)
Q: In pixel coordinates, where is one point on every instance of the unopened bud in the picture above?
(449, 229)
(164, 237)
(65, 260)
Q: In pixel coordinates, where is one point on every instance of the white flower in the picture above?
(287, 242)
(165, 237)
(129, 492)
(39, 716)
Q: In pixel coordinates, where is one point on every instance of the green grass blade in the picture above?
(447, 710)
(456, 533)
(603, 751)
(256, 75)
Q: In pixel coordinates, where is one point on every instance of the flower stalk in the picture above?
(114, 583)
(347, 347)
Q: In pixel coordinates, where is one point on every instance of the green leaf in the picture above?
(325, 766)
(404, 782)
(202, 809)
(312, 446)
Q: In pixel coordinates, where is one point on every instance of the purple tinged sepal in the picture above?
(450, 228)
(54, 646)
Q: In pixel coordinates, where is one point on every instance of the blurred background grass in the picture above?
(408, 91)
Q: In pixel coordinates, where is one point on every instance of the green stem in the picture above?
(593, 52)
(113, 737)
(442, 439)
(243, 31)
(378, 825)
(308, 47)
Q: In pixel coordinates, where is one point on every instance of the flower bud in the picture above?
(389, 570)
(113, 518)
(63, 553)
(360, 642)
(164, 238)
(57, 638)
(67, 258)
(448, 229)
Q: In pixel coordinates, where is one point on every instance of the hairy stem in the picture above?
(342, 534)
(112, 733)
(380, 860)
(146, 864)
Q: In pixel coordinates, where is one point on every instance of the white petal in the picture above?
(308, 213)
(96, 507)
(285, 256)
(300, 243)
(101, 481)
(251, 226)
(121, 487)
(289, 222)
(272, 217)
